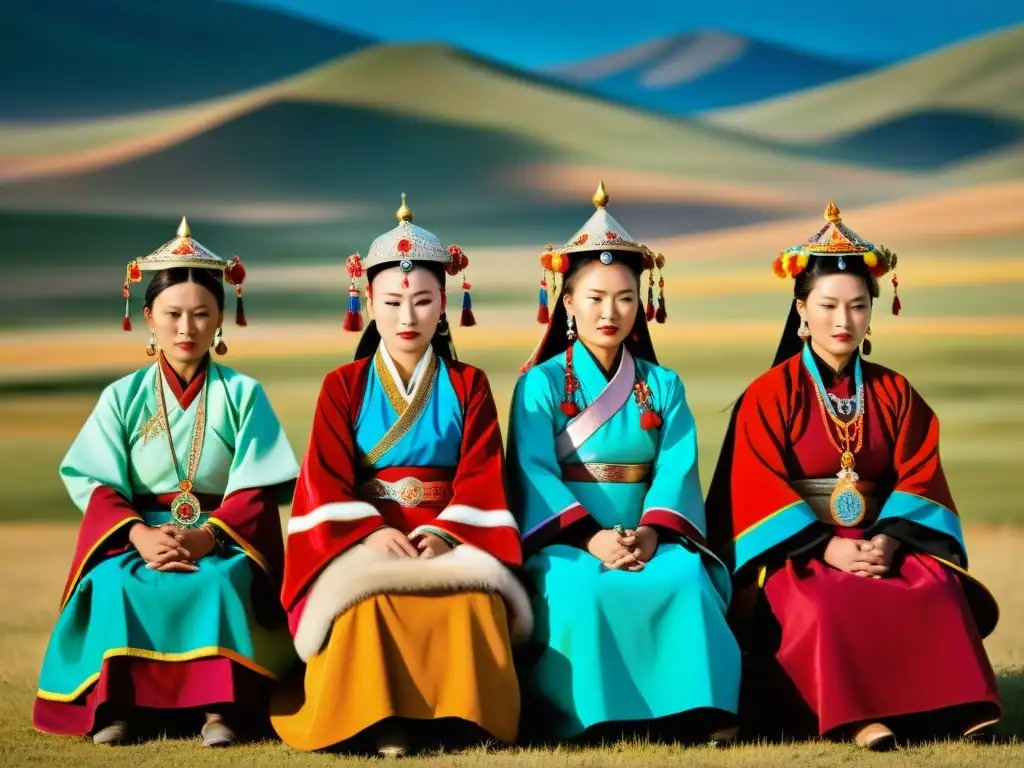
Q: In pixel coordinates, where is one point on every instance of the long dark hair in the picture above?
(441, 342)
(555, 340)
(819, 266)
(210, 279)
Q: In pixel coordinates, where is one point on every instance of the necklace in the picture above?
(185, 509)
(847, 502)
(843, 404)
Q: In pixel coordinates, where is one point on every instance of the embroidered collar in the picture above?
(184, 392)
(406, 391)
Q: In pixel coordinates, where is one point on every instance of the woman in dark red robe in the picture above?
(831, 506)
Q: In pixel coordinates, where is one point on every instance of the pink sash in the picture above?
(612, 398)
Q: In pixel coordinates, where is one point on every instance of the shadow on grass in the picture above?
(772, 711)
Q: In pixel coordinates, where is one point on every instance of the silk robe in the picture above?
(131, 636)
(613, 645)
(385, 636)
(927, 613)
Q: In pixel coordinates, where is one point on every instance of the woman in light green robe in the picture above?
(172, 598)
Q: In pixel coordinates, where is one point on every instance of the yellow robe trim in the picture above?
(88, 556)
(246, 547)
(142, 653)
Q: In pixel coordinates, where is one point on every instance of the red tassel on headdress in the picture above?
(650, 298)
(661, 315)
(133, 274)
(235, 275)
(572, 385)
(896, 304)
(354, 315)
(458, 264)
(467, 317)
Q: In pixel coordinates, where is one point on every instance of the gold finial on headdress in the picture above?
(183, 230)
(404, 213)
(601, 196)
(832, 212)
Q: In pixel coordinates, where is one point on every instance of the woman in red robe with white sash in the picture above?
(397, 579)
(832, 507)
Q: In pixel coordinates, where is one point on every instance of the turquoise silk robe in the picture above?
(617, 645)
(119, 471)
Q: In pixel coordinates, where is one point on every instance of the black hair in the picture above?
(210, 279)
(818, 266)
(441, 341)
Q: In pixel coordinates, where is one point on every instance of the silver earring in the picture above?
(803, 331)
(570, 334)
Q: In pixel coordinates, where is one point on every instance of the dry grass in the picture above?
(33, 562)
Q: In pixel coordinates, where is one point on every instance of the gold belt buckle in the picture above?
(409, 492)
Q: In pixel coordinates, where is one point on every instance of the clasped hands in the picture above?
(862, 557)
(627, 551)
(170, 548)
(393, 541)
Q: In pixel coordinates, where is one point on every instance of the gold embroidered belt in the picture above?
(817, 492)
(409, 491)
(606, 473)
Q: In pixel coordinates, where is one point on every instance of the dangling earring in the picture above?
(218, 343)
(866, 346)
(570, 334)
(803, 331)
(151, 348)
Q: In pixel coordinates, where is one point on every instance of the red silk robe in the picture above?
(328, 518)
(926, 614)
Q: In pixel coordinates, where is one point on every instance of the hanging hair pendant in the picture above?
(354, 316)
(568, 405)
(649, 418)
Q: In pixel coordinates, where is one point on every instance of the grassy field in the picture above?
(958, 342)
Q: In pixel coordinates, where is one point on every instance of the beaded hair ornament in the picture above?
(404, 246)
(601, 233)
(183, 251)
(604, 235)
(838, 240)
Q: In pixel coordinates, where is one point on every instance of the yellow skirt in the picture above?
(414, 656)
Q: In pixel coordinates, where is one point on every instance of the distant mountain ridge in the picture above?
(87, 58)
(687, 74)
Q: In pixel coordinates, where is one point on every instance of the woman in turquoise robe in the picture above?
(611, 447)
(198, 626)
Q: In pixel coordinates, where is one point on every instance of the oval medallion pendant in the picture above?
(185, 510)
(847, 503)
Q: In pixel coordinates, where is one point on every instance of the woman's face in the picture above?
(185, 317)
(837, 312)
(407, 308)
(604, 303)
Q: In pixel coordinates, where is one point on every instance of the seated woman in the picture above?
(171, 600)
(830, 500)
(630, 604)
(396, 578)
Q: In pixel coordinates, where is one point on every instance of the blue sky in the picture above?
(536, 33)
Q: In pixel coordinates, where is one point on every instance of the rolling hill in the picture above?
(75, 58)
(686, 74)
(309, 168)
(975, 86)
(427, 83)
